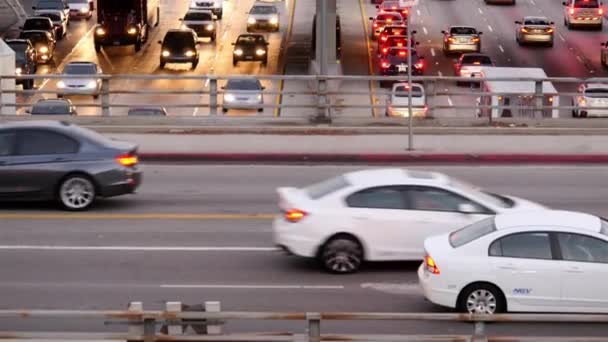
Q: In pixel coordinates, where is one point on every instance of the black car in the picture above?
(179, 46)
(43, 42)
(396, 64)
(25, 60)
(53, 160)
(53, 107)
(40, 24)
(250, 47)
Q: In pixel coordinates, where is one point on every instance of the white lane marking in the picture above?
(394, 288)
(432, 52)
(439, 73)
(252, 287)
(139, 248)
(425, 30)
(418, 12)
(480, 11)
(450, 101)
(579, 59)
(561, 37)
(501, 48)
(490, 28)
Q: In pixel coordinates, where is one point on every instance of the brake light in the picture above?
(400, 44)
(401, 53)
(384, 38)
(600, 11)
(582, 101)
(127, 159)
(385, 65)
(549, 30)
(405, 11)
(375, 24)
(294, 215)
(451, 39)
(385, 50)
(476, 63)
(524, 30)
(572, 11)
(389, 20)
(394, 7)
(419, 65)
(431, 266)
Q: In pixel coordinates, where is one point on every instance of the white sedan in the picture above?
(593, 101)
(540, 261)
(379, 215)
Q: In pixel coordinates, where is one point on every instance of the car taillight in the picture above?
(384, 38)
(475, 39)
(600, 11)
(375, 24)
(572, 11)
(385, 65)
(431, 266)
(452, 39)
(127, 159)
(582, 101)
(294, 215)
(385, 50)
(524, 30)
(419, 65)
(549, 30)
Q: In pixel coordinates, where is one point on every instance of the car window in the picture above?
(179, 40)
(484, 196)
(604, 229)
(80, 69)
(477, 59)
(596, 92)
(237, 84)
(246, 40)
(39, 142)
(326, 187)
(586, 4)
(536, 21)
(388, 197)
(534, 245)
(263, 10)
(434, 199)
(7, 143)
(199, 16)
(472, 232)
(576, 247)
(37, 24)
(403, 91)
(463, 30)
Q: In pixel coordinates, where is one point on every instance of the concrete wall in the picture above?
(12, 13)
(7, 67)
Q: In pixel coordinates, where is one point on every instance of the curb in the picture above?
(462, 158)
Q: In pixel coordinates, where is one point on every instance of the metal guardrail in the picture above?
(144, 325)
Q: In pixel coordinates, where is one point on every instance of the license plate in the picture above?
(402, 68)
(248, 57)
(241, 98)
(116, 43)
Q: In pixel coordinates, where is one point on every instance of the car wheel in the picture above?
(260, 110)
(220, 15)
(59, 96)
(600, 27)
(603, 60)
(265, 62)
(97, 47)
(224, 110)
(76, 192)
(194, 65)
(342, 255)
(234, 62)
(482, 298)
(162, 65)
(138, 45)
(96, 96)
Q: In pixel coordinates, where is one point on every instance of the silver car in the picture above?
(461, 39)
(534, 30)
(263, 17)
(80, 86)
(60, 21)
(243, 93)
(81, 8)
(200, 21)
(53, 107)
(56, 160)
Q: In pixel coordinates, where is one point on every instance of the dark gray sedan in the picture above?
(52, 160)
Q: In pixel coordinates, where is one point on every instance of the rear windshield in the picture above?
(51, 108)
(472, 232)
(326, 187)
(386, 16)
(482, 60)
(198, 16)
(52, 16)
(586, 4)
(463, 30)
(37, 24)
(263, 10)
(536, 21)
(402, 91)
(596, 92)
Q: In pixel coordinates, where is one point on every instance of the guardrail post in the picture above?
(1, 95)
(135, 324)
(105, 97)
(149, 330)
(314, 326)
(323, 111)
(538, 96)
(212, 95)
(479, 333)
(174, 307)
(213, 326)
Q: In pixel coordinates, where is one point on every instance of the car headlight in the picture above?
(274, 20)
(251, 20)
(209, 27)
(132, 30)
(84, 10)
(184, 27)
(193, 4)
(260, 52)
(229, 98)
(166, 53)
(60, 84)
(92, 84)
(260, 97)
(238, 52)
(189, 53)
(18, 71)
(44, 49)
(100, 31)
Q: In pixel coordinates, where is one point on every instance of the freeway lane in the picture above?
(186, 236)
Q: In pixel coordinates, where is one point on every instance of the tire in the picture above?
(138, 45)
(260, 110)
(565, 22)
(97, 47)
(194, 65)
(28, 84)
(76, 192)
(342, 255)
(603, 58)
(224, 110)
(600, 27)
(162, 65)
(220, 15)
(213, 38)
(59, 96)
(265, 62)
(234, 62)
(60, 34)
(96, 96)
(489, 299)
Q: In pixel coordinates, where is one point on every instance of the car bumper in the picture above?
(78, 91)
(537, 38)
(287, 236)
(249, 58)
(404, 111)
(594, 112)
(178, 59)
(126, 183)
(463, 47)
(433, 292)
(204, 33)
(237, 104)
(262, 27)
(116, 40)
(585, 20)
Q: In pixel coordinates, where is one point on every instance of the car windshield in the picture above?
(326, 187)
(403, 91)
(472, 232)
(486, 197)
(78, 1)
(80, 69)
(536, 21)
(586, 4)
(34, 37)
(596, 93)
(178, 40)
(243, 85)
(263, 10)
(463, 30)
(387, 16)
(54, 107)
(481, 60)
(198, 16)
(247, 40)
(50, 5)
(37, 24)
(146, 111)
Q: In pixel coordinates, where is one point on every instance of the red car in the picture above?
(384, 19)
(394, 41)
(393, 6)
(392, 30)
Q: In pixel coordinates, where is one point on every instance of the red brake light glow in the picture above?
(385, 65)
(419, 65)
(294, 215)
(600, 11)
(572, 11)
(384, 38)
(401, 53)
(431, 266)
(127, 160)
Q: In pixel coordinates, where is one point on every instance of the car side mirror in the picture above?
(160, 42)
(233, 44)
(518, 22)
(33, 7)
(467, 208)
(378, 6)
(480, 33)
(181, 19)
(263, 88)
(443, 31)
(551, 23)
(414, 32)
(21, 27)
(371, 18)
(603, 44)
(564, 3)
(67, 7)
(28, 111)
(223, 88)
(417, 43)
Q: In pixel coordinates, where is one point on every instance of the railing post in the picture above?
(213, 326)
(538, 96)
(105, 96)
(212, 95)
(323, 111)
(174, 307)
(479, 333)
(135, 327)
(1, 95)
(314, 326)
(149, 330)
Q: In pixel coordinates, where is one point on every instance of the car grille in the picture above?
(205, 4)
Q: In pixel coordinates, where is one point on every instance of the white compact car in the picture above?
(243, 93)
(263, 17)
(379, 215)
(591, 100)
(80, 86)
(398, 102)
(537, 261)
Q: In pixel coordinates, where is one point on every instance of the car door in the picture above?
(8, 140)
(40, 159)
(526, 271)
(584, 272)
(432, 211)
(377, 216)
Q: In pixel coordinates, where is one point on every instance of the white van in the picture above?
(398, 102)
(583, 12)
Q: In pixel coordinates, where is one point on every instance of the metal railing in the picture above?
(172, 324)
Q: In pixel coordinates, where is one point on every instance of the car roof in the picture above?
(386, 176)
(36, 124)
(552, 218)
(462, 26)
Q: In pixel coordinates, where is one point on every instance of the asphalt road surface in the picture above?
(202, 232)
